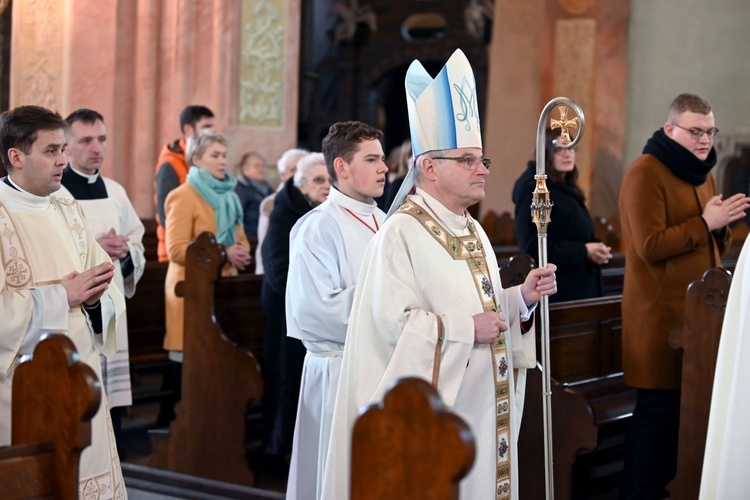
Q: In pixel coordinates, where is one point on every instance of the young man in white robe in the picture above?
(430, 281)
(327, 247)
(727, 452)
(118, 230)
(54, 277)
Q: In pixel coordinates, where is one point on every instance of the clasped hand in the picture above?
(238, 256)
(87, 287)
(718, 213)
(114, 244)
(487, 327)
(598, 252)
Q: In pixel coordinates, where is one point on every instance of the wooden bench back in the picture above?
(220, 376)
(705, 303)
(410, 447)
(500, 229)
(54, 399)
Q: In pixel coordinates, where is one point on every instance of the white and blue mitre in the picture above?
(443, 113)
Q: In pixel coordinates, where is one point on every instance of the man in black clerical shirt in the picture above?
(117, 229)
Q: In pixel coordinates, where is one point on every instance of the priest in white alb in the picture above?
(430, 281)
(118, 230)
(54, 277)
(728, 439)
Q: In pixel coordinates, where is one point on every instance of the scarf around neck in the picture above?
(682, 162)
(222, 198)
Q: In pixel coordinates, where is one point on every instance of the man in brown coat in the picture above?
(674, 227)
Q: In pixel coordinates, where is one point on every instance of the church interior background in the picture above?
(279, 72)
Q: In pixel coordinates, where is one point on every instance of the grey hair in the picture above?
(198, 144)
(305, 164)
(418, 173)
(288, 157)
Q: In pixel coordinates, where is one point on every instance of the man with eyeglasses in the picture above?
(675, 226)
(429, 301)
(327, 247)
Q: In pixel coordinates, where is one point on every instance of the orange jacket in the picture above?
(174, 154)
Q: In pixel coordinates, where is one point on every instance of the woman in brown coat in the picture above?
(206, 202)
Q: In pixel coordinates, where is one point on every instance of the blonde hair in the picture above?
(198, 144)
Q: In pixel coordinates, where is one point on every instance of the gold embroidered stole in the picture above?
(469, 248)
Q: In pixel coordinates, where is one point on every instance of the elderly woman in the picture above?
(286, 167)
(572, 245)
(283, 357)
(251, 187)
(206, 202)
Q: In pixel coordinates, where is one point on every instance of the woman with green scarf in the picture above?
(206, 202)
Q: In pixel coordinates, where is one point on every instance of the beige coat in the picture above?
(188, 215)
(667, 246)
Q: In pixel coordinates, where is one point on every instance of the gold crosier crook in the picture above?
(541, 208)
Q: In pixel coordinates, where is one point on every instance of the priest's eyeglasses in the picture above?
(470, 161)
(696, 133)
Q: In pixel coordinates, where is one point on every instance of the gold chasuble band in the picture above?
(470, 249)
(13, 256)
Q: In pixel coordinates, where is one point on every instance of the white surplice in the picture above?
(326, 249)
(116, 212)
(407, 279)
(43, 239)
(728, 439)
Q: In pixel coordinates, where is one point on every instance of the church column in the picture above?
(545, 48)
(140, 62)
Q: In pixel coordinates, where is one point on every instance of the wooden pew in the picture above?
(613, 273)
(590, 401)
(220, 375)
(146, 323)
(705, 303)
(500, 229)
(54, 399)
(410, 447)
(608, 231)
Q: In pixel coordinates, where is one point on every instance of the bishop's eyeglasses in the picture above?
(470, 161)
(696, 133)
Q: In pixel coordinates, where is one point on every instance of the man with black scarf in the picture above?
(675, 226)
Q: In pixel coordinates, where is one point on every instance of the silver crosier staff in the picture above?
(541, 208)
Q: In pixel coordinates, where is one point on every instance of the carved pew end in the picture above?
(55, 396)
(412, 444)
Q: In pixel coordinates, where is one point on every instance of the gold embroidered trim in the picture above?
(16, 264)
(72, 213)
(47, 283)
